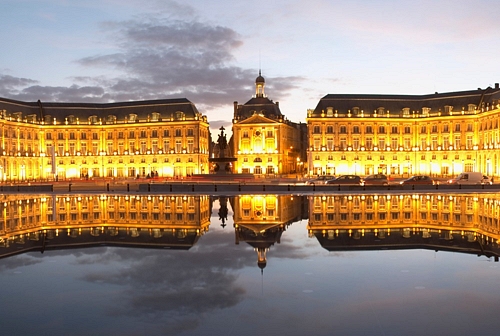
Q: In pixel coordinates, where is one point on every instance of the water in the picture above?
(279, 264)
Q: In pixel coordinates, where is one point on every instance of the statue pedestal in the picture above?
(224, 166)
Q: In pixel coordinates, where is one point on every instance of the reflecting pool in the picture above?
(337, 264)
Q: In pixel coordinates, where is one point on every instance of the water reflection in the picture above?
(463, 223)
(460, 222)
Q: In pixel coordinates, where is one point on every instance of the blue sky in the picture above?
(210, 51)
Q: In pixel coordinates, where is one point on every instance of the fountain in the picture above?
(223, 163)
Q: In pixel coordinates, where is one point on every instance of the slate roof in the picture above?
(166, 107)
(342, 103)
(261, 105)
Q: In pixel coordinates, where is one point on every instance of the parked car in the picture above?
(376, 179)
(474, 178)
(418, 179)
(346, 179)
(320, 179)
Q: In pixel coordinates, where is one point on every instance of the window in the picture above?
(355, 129)
(343, 129)
(394, 143)
(381, 129)
(316, 130)
(329, 129)
(457, 127)
(394, 129)
(369, 130)
(369, 143)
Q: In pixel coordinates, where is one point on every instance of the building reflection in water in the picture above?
(40, 222)
(465, 223)
(454, 222)
(259, 220)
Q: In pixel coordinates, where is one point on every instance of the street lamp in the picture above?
(102, 153)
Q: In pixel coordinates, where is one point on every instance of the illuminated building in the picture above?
(168, 138)
(441, 134)
(259, 220)
(40, 222)
(263, 140)
(465, 223)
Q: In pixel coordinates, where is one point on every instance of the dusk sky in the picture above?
(210, 52)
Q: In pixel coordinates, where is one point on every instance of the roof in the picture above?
(368, 103)
(167, 108)
(261, 105)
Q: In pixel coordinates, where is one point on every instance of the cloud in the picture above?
(10, 83)
(158, 56)
(19, 261)
(175, 287)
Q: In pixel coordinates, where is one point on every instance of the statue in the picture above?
(222, 142)
(222, 163)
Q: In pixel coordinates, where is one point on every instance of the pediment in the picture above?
(257, 119)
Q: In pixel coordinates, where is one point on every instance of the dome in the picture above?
(260, 79)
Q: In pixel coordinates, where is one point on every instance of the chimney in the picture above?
(496, 86)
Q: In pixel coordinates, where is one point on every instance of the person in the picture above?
(148, 176)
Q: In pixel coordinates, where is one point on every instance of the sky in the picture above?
(210, 51)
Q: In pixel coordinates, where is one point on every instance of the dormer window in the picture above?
(426, 111)
(155, 116)
(111, 119)
(471, 107)
(93, 119)
(355, 110)
(132, 117)
(71, 119)
(380, 110)
(329, 111)
(179, 115)
(47, 119)
(448, 109)
(406, 111)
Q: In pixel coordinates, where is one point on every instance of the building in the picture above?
(29, 222)
(164, 138)
(441, 134)
(466, 223)
(263, 140)
(260, 220)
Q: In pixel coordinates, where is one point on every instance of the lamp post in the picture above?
(102, 153)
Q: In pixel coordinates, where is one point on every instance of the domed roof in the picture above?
(260, 79)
